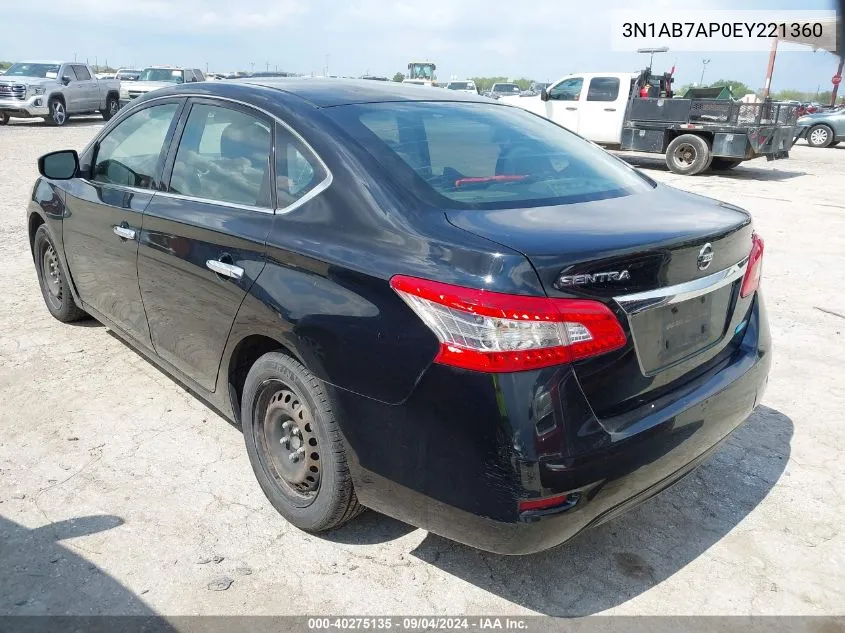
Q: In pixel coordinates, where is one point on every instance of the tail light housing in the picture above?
(496, 332)
(754, 271)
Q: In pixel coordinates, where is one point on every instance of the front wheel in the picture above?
(51, 277)
(819, 136)
(688, 155)
(295, 445)
(112, 106)
(58, 112)
(4, 118)
(724, 164)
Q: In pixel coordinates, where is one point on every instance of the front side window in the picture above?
(224, 156)
(485, 156)
(81, 73)
(129, 155)
(567, 90)
(603, 89)
(69, 73)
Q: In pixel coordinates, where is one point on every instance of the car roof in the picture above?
(326, 93)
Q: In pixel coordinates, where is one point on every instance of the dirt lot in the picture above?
(120, 493)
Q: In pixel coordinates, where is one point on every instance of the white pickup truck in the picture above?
(694, 134)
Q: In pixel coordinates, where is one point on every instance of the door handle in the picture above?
(225, 269)
(124, 232)
(610, 109)
(570, 108)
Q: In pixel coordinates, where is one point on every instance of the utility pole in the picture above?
(836, 83)
(704, 63)
(771, 68)
(327, 64)
(252, 64)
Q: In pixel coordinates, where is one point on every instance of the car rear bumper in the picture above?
(458, 455)
(33, 107)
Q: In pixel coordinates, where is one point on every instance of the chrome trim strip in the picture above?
(317, 190)
(220, 203)
(640, 301)
(94, 183)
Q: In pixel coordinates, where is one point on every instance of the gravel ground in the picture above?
(120, 493)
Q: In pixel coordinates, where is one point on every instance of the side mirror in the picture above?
(61, 165)
(544, 95)
(65, 80)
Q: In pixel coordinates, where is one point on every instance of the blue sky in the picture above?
(541, 39)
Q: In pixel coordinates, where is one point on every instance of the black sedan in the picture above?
(443, 308)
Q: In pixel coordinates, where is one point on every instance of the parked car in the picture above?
(428, 303)
(503, 90)
(467, 86)
(155, 77)
(823, 128)
(128, 74)
(55, 90)
(694, 133)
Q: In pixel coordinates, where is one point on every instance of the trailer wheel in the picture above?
(724, 164)
(688, 155)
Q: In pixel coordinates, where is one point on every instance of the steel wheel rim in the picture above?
(285, 430)
(51, 280)
(58, 112)
(818, 136)
(685, 154)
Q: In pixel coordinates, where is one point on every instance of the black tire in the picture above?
(724, 164)
(112, 106)
(58, 112)
(688, 155)
(4, 118)
(280, 390)
(819, 135)
(52, 279)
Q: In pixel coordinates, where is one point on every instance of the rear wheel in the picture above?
(820, 136)
(52, 279)
(112, 106)
(724, 164)
(688, 155)
(295, 446)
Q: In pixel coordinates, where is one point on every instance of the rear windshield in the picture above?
(477, 155)
(458, 85)
(162, 74)
(505, 88)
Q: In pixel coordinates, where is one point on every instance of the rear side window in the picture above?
(130, 153)
(297, 170)
(224, 156)
(603, 89)
(485, 156)
(82, 73)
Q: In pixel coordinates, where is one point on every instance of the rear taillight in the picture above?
(496, 332)
(754, 271)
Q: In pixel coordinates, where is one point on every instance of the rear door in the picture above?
(602, 110)
(87, 87)
(105, 207)
(202, 241)
(563, 104)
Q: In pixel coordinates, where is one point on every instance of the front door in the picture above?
(602, 111)
(105, 210)
(76, 99)
(202, 243)
(563, 104)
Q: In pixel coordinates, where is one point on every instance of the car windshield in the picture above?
(162, 74)
(485, 156)
(458, 85)
(129, 75)
(505, 88)
(47, 71)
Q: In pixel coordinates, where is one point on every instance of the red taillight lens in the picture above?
(543, 503)
(754, 272)
(496, 332)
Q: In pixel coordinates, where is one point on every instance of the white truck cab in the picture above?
(591, 104)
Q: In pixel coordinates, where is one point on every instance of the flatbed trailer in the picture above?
(697, 134)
